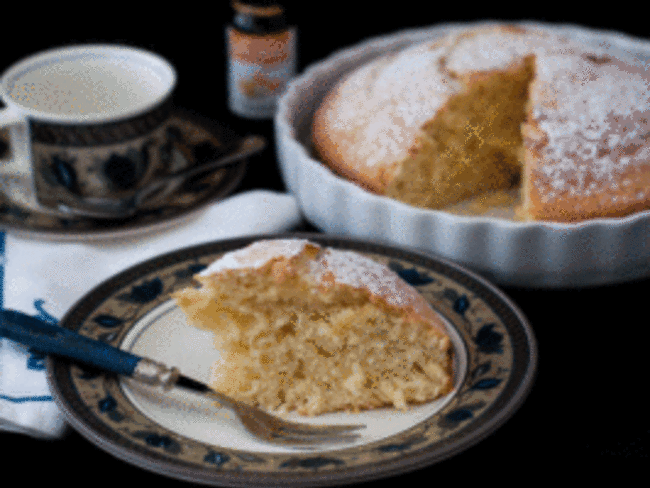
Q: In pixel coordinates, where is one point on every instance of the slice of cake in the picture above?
(316, 330)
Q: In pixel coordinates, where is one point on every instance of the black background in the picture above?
(588, 409)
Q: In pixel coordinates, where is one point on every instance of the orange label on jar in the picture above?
(259, 69)
(266, 50)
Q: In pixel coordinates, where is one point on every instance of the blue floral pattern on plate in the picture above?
(499, 345)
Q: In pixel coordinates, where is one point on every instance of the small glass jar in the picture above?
(262, 54)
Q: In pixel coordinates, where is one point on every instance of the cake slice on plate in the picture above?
(316, 330)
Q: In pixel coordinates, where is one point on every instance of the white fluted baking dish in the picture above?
(531, 254)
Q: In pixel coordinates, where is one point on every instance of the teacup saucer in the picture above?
(199, 139)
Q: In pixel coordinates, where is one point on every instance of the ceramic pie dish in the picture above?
(531, 254)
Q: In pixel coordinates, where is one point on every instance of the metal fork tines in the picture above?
(278, 431)
(273, 429)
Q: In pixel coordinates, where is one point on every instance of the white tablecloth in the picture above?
(44, 279)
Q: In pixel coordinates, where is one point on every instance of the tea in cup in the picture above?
(86, 123)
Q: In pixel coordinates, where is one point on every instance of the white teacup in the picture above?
(86, 122)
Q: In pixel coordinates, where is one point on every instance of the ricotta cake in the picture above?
(317, 330)
(501, 115)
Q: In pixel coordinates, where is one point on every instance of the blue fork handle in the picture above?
(52, 339)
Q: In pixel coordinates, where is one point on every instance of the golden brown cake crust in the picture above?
(586, 135)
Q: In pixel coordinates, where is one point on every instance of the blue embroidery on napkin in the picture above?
(44, 398)
(2, 268)
(36, 361)
(42, 314)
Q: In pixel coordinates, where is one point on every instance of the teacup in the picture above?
(86, 123)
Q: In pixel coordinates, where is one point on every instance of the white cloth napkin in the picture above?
(44, 279)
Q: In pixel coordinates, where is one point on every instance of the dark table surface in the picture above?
(588, 408)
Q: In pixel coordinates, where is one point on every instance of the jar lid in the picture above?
(260, 8)
(258, 3)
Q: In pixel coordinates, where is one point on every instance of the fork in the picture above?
(52, 339)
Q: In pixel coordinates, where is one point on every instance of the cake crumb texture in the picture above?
(317, 330)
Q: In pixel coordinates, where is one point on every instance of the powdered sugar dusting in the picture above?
(382, 105)
(496, 48)
(357, 271)
(595, 116)
(360, 272)
(256, 255)
(346, 267)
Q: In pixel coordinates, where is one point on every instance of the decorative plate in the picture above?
(197, 140)
(184, 436)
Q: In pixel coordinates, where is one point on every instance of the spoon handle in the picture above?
(52, 339)
(248, 146)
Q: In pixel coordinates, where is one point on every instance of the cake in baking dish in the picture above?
(315, 330)
(502, 115)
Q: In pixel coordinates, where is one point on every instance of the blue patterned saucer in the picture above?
(183, 436)
(193, 140)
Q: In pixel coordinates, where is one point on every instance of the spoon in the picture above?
(104, 208)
